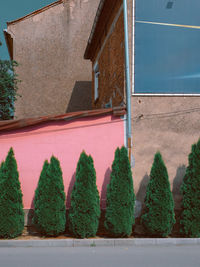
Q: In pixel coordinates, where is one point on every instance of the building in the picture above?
(49, 46)
(64, 136)
(163, 51)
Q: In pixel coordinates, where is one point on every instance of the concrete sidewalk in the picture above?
(120, 242)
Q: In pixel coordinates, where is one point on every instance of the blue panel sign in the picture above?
(167, 46)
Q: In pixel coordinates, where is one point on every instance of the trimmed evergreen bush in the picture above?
(84, 212)
(120, 199)
(49, 202)
(190, 217)
(159, 216)
(11, 206)
(38, 200)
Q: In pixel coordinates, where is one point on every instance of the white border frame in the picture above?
(162, 94)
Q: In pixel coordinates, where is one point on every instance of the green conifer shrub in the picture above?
(38, 200)
(120, 198)
(11, 206)
(49, 202)
(190, 217)
(159, 216)
(84, 212)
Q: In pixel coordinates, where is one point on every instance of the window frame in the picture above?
(96, 81)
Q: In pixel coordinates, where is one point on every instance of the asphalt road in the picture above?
(169, 256)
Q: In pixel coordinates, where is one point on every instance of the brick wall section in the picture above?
(111, 66)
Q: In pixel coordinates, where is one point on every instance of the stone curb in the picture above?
(101, 242)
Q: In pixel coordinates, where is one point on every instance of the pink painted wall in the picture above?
(66, 140)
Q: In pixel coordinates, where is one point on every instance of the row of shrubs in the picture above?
(159, 218)
(49, 202)
(84, 213)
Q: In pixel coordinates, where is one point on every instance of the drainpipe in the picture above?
(128, 84)
(133, 46)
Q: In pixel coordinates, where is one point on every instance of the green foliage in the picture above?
(39, 191)
(49, 202)
(11, 206)
(190, 217)
(8, 88)
(120, 200)
(159, 216)
(84, 212)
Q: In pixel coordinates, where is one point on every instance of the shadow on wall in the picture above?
(70, 188)
(29, 213)
(142, 189)
(104, 188)
(81, 97)
(177, 182)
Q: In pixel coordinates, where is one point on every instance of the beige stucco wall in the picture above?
(49, 48)
(170, 125)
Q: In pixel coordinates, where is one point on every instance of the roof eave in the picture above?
(99, 10)
(87, 53)
(35, 12)
(9, 125)
(9, 43)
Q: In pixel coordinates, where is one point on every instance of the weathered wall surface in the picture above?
(167, 124)
(65, 140)
(110, 57)
(49, 48)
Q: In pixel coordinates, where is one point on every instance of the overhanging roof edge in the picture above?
(35, 12)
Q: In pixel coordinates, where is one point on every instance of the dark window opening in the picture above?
(169, 5)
